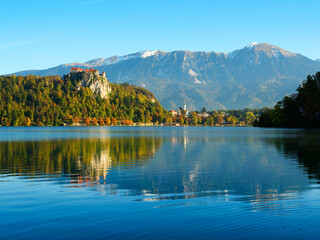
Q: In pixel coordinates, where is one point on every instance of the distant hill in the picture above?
(255, 76)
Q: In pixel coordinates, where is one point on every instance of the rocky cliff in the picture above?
(98, 84)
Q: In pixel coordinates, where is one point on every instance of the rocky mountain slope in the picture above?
(255, 76)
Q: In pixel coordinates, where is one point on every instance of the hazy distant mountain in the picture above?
(256, 76)
(318, 60)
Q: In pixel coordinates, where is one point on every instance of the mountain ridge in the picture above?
(97, 62)
(255, 76)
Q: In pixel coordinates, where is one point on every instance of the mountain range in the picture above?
(258, 75)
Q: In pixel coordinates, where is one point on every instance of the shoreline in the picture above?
(217, 125)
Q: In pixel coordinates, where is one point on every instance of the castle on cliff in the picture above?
(91, 78)
(94, 71)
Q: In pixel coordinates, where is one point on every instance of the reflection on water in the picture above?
(304, 148)
(107, 183)
(236, 167)
(243, 165)
(82, 160)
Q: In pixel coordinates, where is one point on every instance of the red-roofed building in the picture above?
(93, 70)
(173, 112)
(75, 69)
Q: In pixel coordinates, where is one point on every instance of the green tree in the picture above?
(210, 121)
(194, 118)
(250, 117)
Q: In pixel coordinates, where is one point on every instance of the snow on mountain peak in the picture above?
(252, 44)
(96, 62)
(146, 54)
(253, 48)
(143, 54)
(269, 50)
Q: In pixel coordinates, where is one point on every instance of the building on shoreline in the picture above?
(173, 112)
(204, 114)
(171, 124)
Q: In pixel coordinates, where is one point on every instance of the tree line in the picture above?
(212, 118)
(55, 101)
(301, 109)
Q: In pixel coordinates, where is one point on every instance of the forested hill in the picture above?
(55, 101)
(301, 109)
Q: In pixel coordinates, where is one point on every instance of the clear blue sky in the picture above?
(40, 34)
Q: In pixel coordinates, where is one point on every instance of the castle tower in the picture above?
(104, 74)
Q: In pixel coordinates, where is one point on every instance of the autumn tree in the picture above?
(27, 121)
(219, 118)
(168, 119)
(181, 121)
(76, 120)
(87, 121)
(231, 119)
(113, 121)
(94, 121)
(101, 122)
(107, 121)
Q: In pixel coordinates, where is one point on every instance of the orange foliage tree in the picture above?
(101, 122)
(94, 121)
(87, 121)
(75, 120)
(113, 121)
(107, 121)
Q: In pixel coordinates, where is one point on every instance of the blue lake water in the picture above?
(159, 183)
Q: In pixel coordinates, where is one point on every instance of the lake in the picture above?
(159, 183)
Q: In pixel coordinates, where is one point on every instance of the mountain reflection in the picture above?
(259, 167)
(238, 167)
